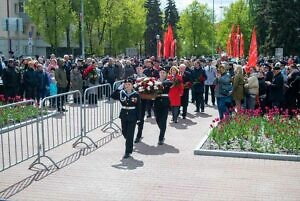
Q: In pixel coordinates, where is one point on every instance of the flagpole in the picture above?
(157, 45)
(213, 30)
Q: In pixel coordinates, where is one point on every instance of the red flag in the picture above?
(166, 52)
(232, 40)
(252, 60)
(228, 47)
(242, 53)
(173, 49)
(159, 46)
(168, 39)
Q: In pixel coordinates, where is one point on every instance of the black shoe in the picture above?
(64, 110)
(149, 116)
(196, 111)
(183, 117)
(137, 140)
(202, 110)
(175, 121)
(161, 142)
(126, 156)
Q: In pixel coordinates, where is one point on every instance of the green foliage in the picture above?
(50, 18)
(171, 16)
(195, 30)
(236, 14)
(153, 26)
(277, 25)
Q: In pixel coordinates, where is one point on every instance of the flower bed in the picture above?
(17, 114)
(250, 131)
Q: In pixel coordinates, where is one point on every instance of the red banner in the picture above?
(242, 46)
(252, 60)
(168, 40)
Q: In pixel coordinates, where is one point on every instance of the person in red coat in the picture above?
(176, 91)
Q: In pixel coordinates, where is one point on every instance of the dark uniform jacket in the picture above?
(163, 100)
(276, 88)
(199, 76)
(151, 72)
(130, 105)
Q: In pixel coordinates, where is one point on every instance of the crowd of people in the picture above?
(227, 83)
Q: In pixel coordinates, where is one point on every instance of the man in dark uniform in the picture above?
(199, 76)
(187, 81)
(276, 87)
(130, 114)
(161, 105)
(140, 74)
(150, 72)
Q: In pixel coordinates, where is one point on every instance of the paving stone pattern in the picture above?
(169, 172)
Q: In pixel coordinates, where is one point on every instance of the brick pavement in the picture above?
(168, 172)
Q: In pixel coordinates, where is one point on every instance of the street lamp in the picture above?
(157, 45)
(213, 30)
(82, 29)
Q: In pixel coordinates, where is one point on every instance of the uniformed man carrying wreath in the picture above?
(161, 105)
(130, 114)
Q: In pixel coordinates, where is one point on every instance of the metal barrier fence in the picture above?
(57, 123)
(17, 133)
(60, 128)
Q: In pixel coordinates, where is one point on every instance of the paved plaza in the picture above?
(167, 172)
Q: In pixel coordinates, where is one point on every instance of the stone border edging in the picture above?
(236, 154)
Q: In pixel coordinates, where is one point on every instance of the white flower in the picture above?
(148, 88)
(146, 79)
(141, 89)
(155, 88)
(157, 83)
(135, 85)
(150, 83)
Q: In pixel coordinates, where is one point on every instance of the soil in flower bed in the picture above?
(275, 132)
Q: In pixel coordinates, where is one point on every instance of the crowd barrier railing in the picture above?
(59, 119)
(60, 128)
(17, 133)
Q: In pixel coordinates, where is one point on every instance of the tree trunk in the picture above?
(68, 36)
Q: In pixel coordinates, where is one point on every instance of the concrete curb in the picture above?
(236, 154)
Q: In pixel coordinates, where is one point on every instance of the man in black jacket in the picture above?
(276, 87)
(10, 80)
(199, 76)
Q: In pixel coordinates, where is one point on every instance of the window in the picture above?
(21, 7)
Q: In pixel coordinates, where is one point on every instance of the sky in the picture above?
(182, 4)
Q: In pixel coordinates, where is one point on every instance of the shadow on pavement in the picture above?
(129, 164)
(146, 149)
(42, 173)
(203, 115)
(182, 124)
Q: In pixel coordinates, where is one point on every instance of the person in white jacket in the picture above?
(252, 89)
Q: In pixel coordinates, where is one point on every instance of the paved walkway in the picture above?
(168, 172)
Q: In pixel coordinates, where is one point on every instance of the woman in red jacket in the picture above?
(175, 92)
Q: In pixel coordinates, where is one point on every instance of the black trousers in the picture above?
(30, 92)
(10, 92)
(199, 100)
(185, 101)
(128, 128)
(61, 99)
(212, 93)
(149, 106)
(175, 112)
(161, 116)
(142, 117)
